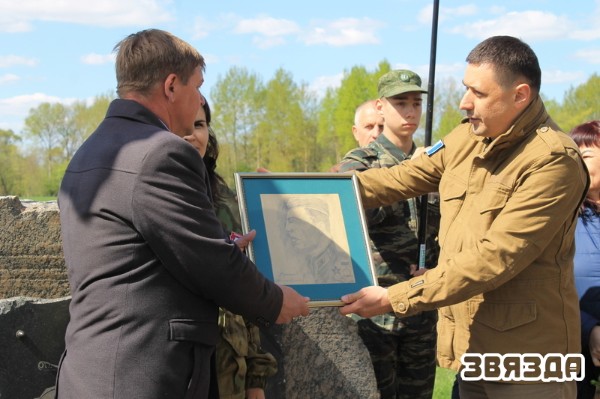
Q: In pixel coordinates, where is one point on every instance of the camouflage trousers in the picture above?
(404, 360)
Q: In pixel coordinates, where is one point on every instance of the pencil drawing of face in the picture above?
(307, 238)
(307, 227)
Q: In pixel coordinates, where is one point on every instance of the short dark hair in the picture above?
(587, 134)
(511, 58)
(147, 57)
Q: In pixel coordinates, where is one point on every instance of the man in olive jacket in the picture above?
(147, 260)
(510, 184)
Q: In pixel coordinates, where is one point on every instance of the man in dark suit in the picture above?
(147, 260)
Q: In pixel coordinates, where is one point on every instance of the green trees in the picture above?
(280, 125)
(580, 104)
(53, 132)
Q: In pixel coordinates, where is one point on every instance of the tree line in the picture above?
(279, 125)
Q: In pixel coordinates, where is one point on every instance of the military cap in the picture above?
(397, 82)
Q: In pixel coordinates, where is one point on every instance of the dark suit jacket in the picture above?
(147, 264)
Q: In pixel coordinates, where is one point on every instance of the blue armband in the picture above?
(435, 148)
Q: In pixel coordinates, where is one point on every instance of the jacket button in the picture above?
(401, 307)
(544, 129)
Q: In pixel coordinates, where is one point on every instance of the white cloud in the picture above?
(586, 34)
(425, 15)
(527, 25)
(267, 42)
(23, 103)
(268, 31)
(322, 83)
(344, 32)
(9, 77)
(589, 55)
(10, 60)
(267, 26)
(19, 16)
(203, 27)
(561, 77)
(14, 110)
(97, 59)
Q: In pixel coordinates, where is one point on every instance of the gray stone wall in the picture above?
(31, 258)
(320, 356)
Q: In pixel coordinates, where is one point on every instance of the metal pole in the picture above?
(422, 231)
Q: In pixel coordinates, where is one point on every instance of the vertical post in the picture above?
(422, 226)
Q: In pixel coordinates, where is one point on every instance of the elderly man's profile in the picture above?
(307, 239)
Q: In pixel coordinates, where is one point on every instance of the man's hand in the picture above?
(294, 305)
(243, 241)
(368, 302)
(595, 345)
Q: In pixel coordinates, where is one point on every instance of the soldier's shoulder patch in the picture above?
(435, 148)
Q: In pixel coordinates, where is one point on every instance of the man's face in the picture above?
(401, 113)
(369, 125)
(305, 233)
(186, 102)
(490, 107)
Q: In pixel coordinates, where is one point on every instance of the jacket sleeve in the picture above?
(545, 199)
(411, 178)
(261, 364)
(173, 212)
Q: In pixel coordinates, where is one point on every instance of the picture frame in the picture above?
(311, 232)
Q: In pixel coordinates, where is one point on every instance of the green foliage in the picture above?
(357, 86)
(56, 131)
(236, 102)
(580, 104)
(10, 179)
(446, 113)
(280, 125)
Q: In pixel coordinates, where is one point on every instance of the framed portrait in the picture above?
(311, 232)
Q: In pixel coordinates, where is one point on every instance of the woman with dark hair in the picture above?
(242, 366)
(587, 257)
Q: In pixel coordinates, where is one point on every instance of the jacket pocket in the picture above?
(503, 316)
(452, 194)
(496, 197)
(202, 332)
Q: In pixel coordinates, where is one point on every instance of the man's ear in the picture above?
(379, 106)
(522, 95)
(169, 87)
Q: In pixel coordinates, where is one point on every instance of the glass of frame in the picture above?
(311, 232)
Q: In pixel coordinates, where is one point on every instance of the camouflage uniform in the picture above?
(240, 361)
(402, 350)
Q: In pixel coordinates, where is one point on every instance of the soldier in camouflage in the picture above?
(402, 350)
(242, 366)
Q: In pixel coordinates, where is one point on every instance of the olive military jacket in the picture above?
(504, 279)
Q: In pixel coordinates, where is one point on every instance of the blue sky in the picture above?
(60, 51)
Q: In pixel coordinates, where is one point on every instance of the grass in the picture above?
(444, 379)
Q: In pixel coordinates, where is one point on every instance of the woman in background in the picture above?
(241, 365)
(587, 257)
